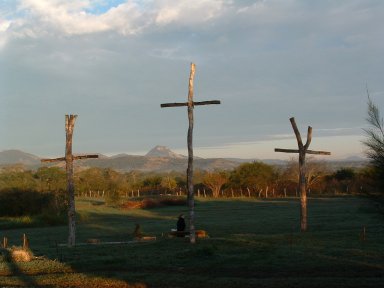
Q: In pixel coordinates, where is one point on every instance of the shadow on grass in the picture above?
(252, 242)
(15, 271)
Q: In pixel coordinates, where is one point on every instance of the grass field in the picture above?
(252, 243)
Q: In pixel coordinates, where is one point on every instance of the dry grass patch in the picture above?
(16, 254)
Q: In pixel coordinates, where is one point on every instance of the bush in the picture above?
(17, 202)
(112, 198)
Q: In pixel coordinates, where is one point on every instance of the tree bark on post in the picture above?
(303, 150)
(69, 158)
(69, 126)
(190, 104)
(191, 200)
(302, 180)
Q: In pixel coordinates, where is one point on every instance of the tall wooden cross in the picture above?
(190, 104)
(69, 126)
(303, 150)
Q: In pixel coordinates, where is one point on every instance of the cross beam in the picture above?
(79, 157)
(302, 151)
(298, 151)
(69, 127)
(190, 104)
(186, 103)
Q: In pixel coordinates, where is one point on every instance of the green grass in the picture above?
(252, 244)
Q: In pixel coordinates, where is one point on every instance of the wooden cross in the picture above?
(69, 126)
(303, 150)
(190, 104)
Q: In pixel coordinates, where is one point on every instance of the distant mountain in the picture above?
(9, 157)
(158, 159)
(164, 152)
(267, 161)
(156, 164)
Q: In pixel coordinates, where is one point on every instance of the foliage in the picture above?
(315, 171)
(344, 174)
(16, 202)
(375, 140)
(215, 180)
(256, 174)
(50, 179)
(169, 183)
(17, 179)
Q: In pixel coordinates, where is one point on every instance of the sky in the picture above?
(114, 62)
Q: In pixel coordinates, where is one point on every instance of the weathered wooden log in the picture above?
(197, 103)
(69, 127)
(191, 200)
(69, 158)
(302, 151)
(307, 152)
(190, 104)
(79, 157)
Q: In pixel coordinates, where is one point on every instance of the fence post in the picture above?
(25, 242)
(5, 242)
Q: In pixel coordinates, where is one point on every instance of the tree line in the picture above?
(254, 179)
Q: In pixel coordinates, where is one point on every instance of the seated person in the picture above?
(180, 225)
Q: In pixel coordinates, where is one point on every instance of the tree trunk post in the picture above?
(303, 193)
(191, 200)
(190, 191)
(69, 126)
(303, 150)
(25, 242)
(5, 242)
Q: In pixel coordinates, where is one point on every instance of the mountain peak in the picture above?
(18, 157)
(163, 152)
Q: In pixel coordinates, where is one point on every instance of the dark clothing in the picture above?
(180, 224)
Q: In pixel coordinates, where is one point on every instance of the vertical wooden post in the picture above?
(302, 180)
(303, 150)
(25, 242)
(69, 127)
(191, 200)
(5, 242)
(190, 104)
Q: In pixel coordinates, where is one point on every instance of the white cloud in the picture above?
(73, 17)
(187, 12)
(4, 25)
(66, 16)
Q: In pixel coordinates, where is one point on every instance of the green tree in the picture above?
(169, 183)
(91, 179)
(51, 179)
(152, 182)
(315, 172)
(375, 140)
(256, 174)
(17, 179)
(215, 181)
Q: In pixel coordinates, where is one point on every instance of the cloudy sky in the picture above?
(114, 62)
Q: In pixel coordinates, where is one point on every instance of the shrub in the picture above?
(112, 198)
(16, 202)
